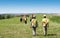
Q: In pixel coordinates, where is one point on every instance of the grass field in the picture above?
(13, 28)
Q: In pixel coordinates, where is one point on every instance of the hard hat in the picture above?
(44, 15)
(34, 16)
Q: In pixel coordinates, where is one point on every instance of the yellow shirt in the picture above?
(33, 21)
(45, 21)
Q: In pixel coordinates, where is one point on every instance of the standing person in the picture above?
(34, 25)
(45, 23)
(25, 19)
(21, 19)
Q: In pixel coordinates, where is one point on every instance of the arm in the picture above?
(47, 24)
(36, 24)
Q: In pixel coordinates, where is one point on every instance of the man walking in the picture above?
(34, 25)
(45, 23)
(25, 19)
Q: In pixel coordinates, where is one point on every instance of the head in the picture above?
(44, 16)
(34, 17)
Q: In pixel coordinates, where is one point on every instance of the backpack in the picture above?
(34, 22)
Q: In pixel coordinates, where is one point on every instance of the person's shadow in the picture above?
(51, 34)
(47, 35)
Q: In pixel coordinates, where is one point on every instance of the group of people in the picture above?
(24, 19)
(34, 24)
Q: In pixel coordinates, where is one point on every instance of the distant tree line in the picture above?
(6, 16)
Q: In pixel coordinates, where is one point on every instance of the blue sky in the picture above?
(29, 6)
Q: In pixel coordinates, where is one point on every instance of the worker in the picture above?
(21, 19)
(34, 25)
(45, 23)
(25, 19)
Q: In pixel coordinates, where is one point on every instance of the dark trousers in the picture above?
(20, 19)
(25, 21)
(34, 30)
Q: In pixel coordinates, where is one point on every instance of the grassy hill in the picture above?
(13, 28)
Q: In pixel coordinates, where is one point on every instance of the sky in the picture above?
(29, 6)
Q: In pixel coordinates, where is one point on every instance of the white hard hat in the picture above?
(34, 16)
(44, 15)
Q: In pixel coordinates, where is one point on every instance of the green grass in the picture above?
(13, 28)
(55, 19)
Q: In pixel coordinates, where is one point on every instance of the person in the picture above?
(31, 17)
(25, 19)
(45, 23)
(21, 19)
(34, 25)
